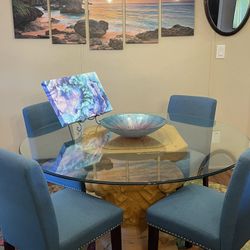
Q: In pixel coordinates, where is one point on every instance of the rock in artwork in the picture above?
(77, 98)
(177, 18)
(105, 25)
(30, 18)
(142, 21)
(68, 21)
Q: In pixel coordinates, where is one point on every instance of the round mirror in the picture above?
(227, 16)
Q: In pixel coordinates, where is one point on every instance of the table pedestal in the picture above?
(134, 200)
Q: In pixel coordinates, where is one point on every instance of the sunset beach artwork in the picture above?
(142, 21)
(68, 21)
(177, 18)
(30, 18)
(105, 25)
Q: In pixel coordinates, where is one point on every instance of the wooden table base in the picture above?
(134, 200)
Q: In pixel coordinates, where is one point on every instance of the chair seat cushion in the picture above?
(79, 218)
(193, 213)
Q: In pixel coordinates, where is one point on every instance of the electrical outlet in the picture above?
(216, 136)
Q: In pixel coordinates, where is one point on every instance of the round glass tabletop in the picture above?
(185, 148)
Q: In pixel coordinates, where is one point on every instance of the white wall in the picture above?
(139, 78)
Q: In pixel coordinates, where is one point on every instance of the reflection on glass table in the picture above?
(135, 172)
(173, 143)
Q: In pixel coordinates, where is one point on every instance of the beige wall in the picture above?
(140, 78)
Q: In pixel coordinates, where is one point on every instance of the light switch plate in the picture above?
(220, 51)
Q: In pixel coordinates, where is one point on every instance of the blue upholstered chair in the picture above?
(206, 217)
(31, 219)
(193, 116)
(40, 119)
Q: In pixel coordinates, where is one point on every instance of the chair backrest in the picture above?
(193, 116)
(27, 216)
(235, 219)
(196, 110)
(40, 119)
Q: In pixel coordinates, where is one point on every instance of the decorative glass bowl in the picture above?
(133, 125)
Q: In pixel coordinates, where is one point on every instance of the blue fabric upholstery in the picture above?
(207, 217)
(30, 219)
(197, 110)
(27, 216)
(193, 117)
(86, 220)
(68, 183)
(40, 119)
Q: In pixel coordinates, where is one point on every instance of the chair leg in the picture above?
(205, 181)
(7, 246)
(91, 246)
(153, 238)
(188, 244)
(116, 238)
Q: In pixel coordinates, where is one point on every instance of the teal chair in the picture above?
(40, 119)
(31, 219)
(193, 117)
(205, 217)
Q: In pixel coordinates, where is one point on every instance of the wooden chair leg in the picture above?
(188, 244)
(7, 246)
(205, 181)
(91, 246)
(153, 238)
(116, 238)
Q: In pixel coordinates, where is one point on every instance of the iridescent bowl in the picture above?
(133, 125)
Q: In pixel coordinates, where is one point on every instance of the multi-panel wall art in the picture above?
(68, 21)
(105, 25)
(142, 21)
(177, 18)
(105, 21)
(30, 18)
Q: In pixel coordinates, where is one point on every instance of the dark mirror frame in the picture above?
(210, 20)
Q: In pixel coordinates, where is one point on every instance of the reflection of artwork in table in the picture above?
(105, 25)
(68, 21)
(76, 98)
(30, 19)
(74, 158)
(142, 21)
(177, 18)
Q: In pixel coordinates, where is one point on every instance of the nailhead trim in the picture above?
(178, 236)
(99, 236)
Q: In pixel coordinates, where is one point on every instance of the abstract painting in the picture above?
(77, 98)
(105, 25)
(68, 21)
(30, 18)
(142, 21)
(177, 18)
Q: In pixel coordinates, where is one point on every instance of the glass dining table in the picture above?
(133, 173)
